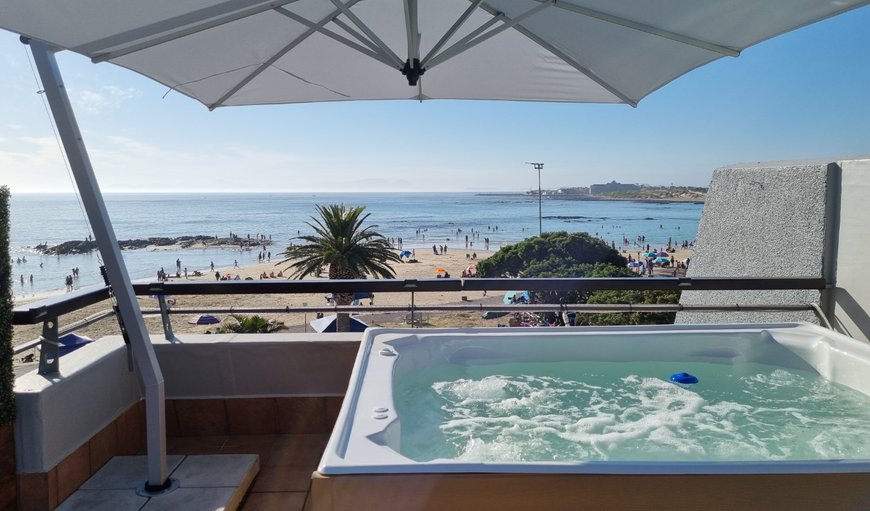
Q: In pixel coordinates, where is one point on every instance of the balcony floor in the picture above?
(286, 464)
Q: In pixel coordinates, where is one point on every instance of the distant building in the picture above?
(613, 186)
(574, 190)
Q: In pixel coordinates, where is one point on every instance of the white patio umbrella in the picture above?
(239, 52)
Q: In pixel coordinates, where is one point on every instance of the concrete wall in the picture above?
(57, 414)
(786, 219)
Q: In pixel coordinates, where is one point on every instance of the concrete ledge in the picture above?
(226, 378)
(256, 365)
(56, 414)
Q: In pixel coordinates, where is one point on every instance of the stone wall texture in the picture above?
(761, 221)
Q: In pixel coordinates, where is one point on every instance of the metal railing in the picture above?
(48, 311)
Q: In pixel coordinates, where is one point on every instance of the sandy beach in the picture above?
(426, 267)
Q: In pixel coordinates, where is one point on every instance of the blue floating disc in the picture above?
(684, 378)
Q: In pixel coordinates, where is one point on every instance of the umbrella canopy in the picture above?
(327, 324)
(440, 270)
(663, 254)
(634, 264)
(204, 319)
(659, 260)
(405, 253)
(649, 254)
(288, 51)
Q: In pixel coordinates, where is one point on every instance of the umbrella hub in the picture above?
(413, 71)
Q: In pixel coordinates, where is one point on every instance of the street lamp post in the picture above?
(539, 167)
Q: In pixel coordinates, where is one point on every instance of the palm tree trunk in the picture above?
(342, 319)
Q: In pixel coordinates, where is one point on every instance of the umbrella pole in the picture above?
(150, 375)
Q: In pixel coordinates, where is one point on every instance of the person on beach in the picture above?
(212, 265)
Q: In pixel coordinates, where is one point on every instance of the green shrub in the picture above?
(7, 379)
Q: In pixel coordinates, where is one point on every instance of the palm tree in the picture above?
(255, 324)
(350, 250)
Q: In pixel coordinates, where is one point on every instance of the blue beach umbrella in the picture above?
(634, 264)
(649, 254)
(70, 342)
(204, 319)
(662, 260)
(327, 324)
(405, 253)
(516, 297)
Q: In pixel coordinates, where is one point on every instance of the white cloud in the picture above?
(13, 126)
(108, 97)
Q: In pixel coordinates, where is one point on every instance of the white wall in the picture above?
(851, 296)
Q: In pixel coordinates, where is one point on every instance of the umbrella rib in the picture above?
(466, 43)
(452, 30)
(412, 29)
(634, 25)
(368, 32)
(371, 52)
(363, 39)
(571, 62)
(175, 28)
(274, 58)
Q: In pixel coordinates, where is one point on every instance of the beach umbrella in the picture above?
(327, 324)
(204, 319)
(286, 51)
(659, 260)
(649, 254)
(440, 270)
(662, 254)
(634, 264)
(516, 297)
(71, 342)
(405, 253)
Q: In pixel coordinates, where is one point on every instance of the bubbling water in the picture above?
(581, 411)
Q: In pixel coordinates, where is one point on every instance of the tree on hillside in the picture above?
(577, 255)
(350, 250)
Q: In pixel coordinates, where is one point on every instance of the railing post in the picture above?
(167, 323)
(49, 348)
(411, 285)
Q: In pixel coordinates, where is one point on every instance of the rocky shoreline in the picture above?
(89, 245)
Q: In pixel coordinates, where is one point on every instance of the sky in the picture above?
(805, 94)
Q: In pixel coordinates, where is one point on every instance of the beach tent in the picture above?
(327, 324)
(204, 319)
(242, 52)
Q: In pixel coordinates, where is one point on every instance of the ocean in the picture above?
(420, 219)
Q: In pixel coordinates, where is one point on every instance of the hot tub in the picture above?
(372, 460)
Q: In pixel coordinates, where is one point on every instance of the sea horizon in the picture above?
(421, 219)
